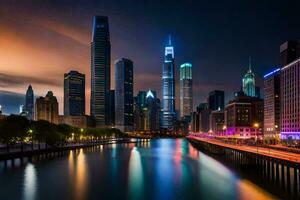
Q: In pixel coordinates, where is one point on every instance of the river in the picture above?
(153, 169)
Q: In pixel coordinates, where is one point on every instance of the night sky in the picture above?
(41, 40)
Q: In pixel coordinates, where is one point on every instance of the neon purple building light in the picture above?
(272, 72)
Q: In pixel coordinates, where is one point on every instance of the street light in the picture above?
(256, 126)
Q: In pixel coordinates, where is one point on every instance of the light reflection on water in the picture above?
(77, 173)
(156, 169)
(30, 182)
(136, 179)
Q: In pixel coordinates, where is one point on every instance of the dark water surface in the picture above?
(158, 169)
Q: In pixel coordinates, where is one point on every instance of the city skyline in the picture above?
(73, 31)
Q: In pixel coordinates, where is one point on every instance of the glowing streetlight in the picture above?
(256, 125)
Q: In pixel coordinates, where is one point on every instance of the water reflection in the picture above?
(158, 169)
(78, 173)
(136, 177)
(246, 187)
(30, 182)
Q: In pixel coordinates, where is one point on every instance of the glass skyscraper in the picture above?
(29, 102)
(100, 72)
(124, 94)
(74, 93)
(168, 114)
(249, 82)
(186, 90)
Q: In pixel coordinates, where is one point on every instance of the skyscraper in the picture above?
(153, 107)
(100, 71)
(29, 102)
(216, 100)
(124, 94)
(290, 101)
(46, 108)
(74, 93)
(186, 90)
(168, 114)
(289, 51)
(272, 105)
(249, 82)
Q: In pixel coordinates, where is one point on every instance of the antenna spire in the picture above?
(250, 65)
(170, 40)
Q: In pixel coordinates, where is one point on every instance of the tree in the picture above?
(45, 131)
(13, 129)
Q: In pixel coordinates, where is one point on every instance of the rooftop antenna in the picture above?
(170, 40)
(250, 64)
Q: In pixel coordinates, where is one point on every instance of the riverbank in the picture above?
(46, 149)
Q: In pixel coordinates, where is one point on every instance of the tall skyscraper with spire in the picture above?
(29, 102)
(249, 82)
(100, 72)
(168, 114)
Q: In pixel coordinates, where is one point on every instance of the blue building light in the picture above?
(272, 72)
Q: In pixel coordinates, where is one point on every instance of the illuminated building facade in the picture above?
(100, 72)
(186, 90)
(74, 93)
(249, 82)
(29, 103)
(244, 117)
(46, 108)
(272, 105)
(124, 94)
(82, 121)
(146, 112)
(168, 114)
(290, 101)
(217, 121)
(153, 108)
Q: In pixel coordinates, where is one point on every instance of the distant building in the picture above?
(1, 114)
(124, 94)
(181, 127)
(244, 117)
(217, 120)
(153, 109)
(289, 52)
(216, 100)
(29, 102)
(100, 72)
(272, 105)
(204, 117)
(74, 93)
(168, 114)
(290, 101)
(257, 91)
(139, 111)
(82, 121)
(46, 108)
(186, 90)
(249, 82)
(195, 122)
(146, 112)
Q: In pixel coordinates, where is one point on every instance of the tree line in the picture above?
(16, 129)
